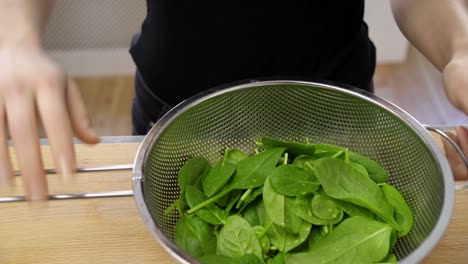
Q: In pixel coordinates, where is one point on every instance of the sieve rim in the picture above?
(422, 251)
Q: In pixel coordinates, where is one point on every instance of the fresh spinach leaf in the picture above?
(195, 236)
(323, 208)
(281, 237)
(294, 148)
(375, 171)
(235, 196)
(250, 197)
(390, 258)
(250, 259)
(217, 177)
(256, 214)
(316, 235)
(224, 201)
(237, 238)
(304, 162)
(355, 240)
(280, 209)
(403, 214)
(360, 168)
(302, 207)
(285, 240)
(291, 180)
(280, 258)
(274, 204)
(253, 171)
(342, 181)
(218, 259)
(211, 214)
(260, 232)
(192, 172)
(236, 155)
(349, 208)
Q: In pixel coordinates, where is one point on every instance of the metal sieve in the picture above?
(324, 113)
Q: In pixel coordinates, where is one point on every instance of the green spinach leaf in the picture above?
(192, 172)
(217, 177)
(342, 181)
(403, 214)
(375, 171)
(250, 198)
(350, 208)
(390, 258)
(222, 259)
(294, 148)
(235, 196)
(251, 173)
(280, 209)
(256, 214)
(211, 214)
(316, 235)
(280, 258)
(291, 180)
(274, 204)
(324, 208)
(236, 155)
(360, 168)
(237, 238)
(195, 236)
(302, 207)
(285, 240)
(355, 240)
(260, 232)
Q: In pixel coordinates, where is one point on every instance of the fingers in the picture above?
(6, 174)
(54, 114)
(79, 116)
(456, 163)
(24, 132)
(456, 84)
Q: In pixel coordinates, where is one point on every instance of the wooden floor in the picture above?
(415, 86)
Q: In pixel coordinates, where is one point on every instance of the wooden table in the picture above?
(110, 230)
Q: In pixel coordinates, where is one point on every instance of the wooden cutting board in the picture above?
(110, 230)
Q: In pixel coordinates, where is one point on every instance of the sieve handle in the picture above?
(126, 193)
(457, 148)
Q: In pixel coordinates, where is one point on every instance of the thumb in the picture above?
(456, 84)
(80, 121)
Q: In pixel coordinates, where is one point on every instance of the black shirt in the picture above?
(189, 46)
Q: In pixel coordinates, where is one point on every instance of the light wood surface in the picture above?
(110, 230)
(108, 100)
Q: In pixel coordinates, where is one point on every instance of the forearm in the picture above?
(437, 28)
(22, 22)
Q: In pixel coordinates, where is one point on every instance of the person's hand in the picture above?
(459, 169)
(33, 88)
(456, 87)
(455, 76)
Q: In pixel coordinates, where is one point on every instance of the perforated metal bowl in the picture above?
(234, 117)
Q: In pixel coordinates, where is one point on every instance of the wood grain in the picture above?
(110, 230)
(106, 230)
(108, 100)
